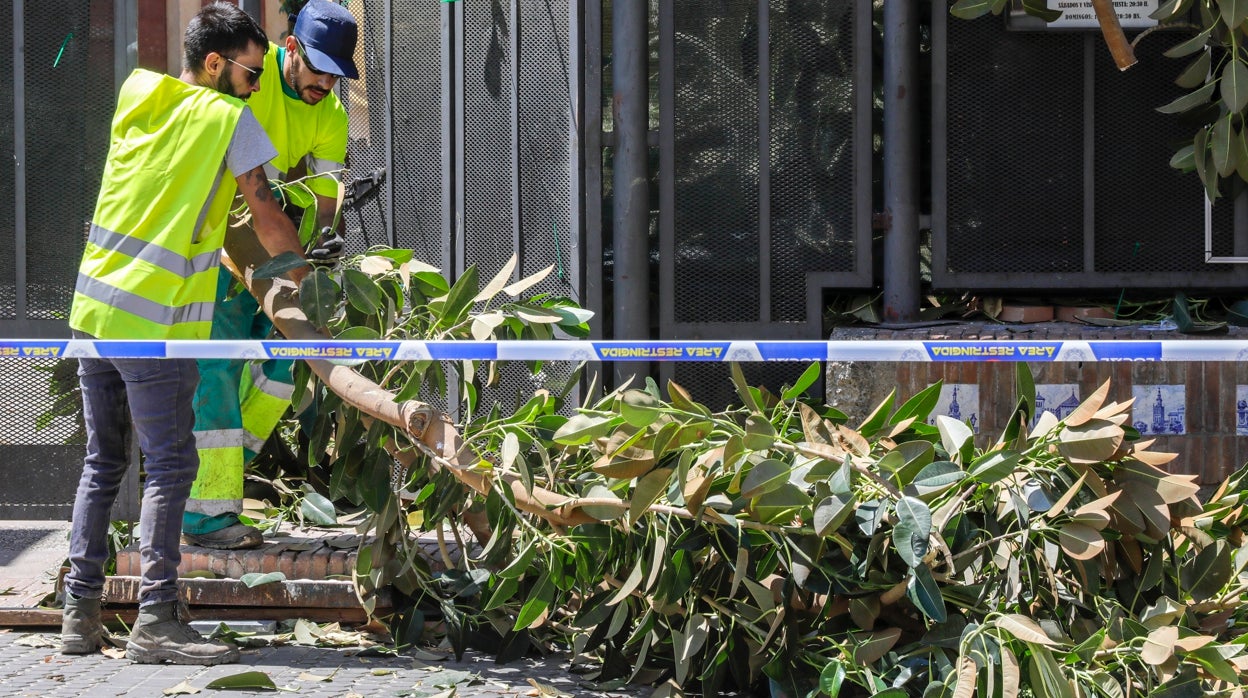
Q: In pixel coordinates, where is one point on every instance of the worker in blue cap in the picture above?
(238, 403)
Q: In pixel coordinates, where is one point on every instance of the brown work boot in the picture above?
(82, 631)
(237, 537)
(160, 634)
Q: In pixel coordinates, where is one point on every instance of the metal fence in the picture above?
(64, 61)
(1051, 166)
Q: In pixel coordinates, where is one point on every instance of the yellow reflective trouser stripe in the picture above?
(263, 402)
(218, 487)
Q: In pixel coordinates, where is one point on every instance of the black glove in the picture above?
(328, 248)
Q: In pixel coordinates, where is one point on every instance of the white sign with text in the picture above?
(1079, 14)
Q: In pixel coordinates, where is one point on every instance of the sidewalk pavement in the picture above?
(312, 672)
(31, 665)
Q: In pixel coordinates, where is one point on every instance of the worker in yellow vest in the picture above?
(179, 150)
(238, 404)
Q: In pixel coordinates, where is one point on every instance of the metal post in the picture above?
(19, 157)
(630, 218)
(901, 162)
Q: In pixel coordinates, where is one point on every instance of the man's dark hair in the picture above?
(222, 28)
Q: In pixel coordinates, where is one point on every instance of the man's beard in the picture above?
(225, 86)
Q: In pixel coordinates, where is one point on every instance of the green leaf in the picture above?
(1191, 46)
(1235, 85)
(832, 512)
(971, 9)
(831, 678)
(537, 603)
(1185, 160)
(255, 579)
(807, 379)
(519, 565)
(765, 476)
(1195, 74)
(317, 509)
(955, 436)
(913, 530)
(780, 505)
(1206, 574)
(639, 408)
(994, 466)
(318, 297)
(279, 265)
(1234, 12)
(919, 406)
(362, 291)
(248, 680)
(1025, 389)
(1038, 8)
(934, 479)
(583, 428)
(1047, 676)
(1091, 442)
(459, 298)
(1170, 9)
(759, 433)
(923, 590)
(1181, 686)
(743, 388)
(1189, 101)
(498, 282)
(878, 417)
(904, 462)
(648, 489)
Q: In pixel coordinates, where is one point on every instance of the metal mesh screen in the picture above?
(417, 114)
(1015, 156)
(812, 147)
(489, 86)
(39, 466)
(711, 383)
(365, 220)
(69, 104)
(716, 162)
(1149, 216)
(8, 193)
(545, 123)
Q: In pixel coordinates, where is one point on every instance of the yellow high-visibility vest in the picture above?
(149, 270)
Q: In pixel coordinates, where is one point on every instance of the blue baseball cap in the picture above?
(328, 33)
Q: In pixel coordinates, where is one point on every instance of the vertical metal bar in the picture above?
(449, 192)
(516, 239)
(1239, 227)
(592, 126)
(388, 73)
(576, 154)
(1089, 153)
(764, 161)
(457, 128)
(901, 97)
(19, 157)
(863, 176)
(667, 168)
(940, 146)
(629, 72)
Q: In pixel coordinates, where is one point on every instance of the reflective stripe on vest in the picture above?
(137, 305)
(150, 269)
(173, 262)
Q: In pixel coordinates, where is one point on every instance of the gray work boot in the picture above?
(237, 537)
(82, 631)
(160, 634)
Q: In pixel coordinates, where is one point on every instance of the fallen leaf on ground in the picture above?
(308, 676)
(38, 641)
(182, 689)
(114, 652)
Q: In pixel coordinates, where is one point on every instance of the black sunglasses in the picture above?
(253, 74)
(304, 57)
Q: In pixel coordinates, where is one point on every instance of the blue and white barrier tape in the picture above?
(582, 350)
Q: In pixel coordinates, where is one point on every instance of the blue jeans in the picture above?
(160, 393)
